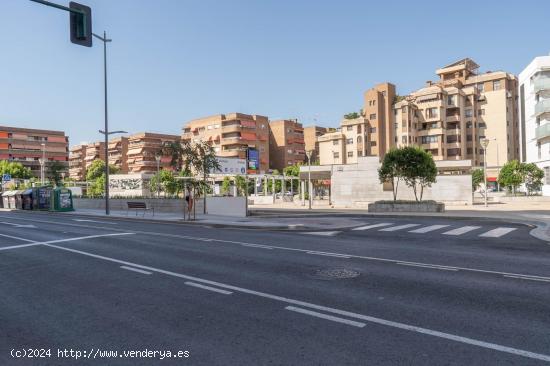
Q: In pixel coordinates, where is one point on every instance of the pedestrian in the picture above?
(189, 200)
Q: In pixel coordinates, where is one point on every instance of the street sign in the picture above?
(6, 177)
(80, 22)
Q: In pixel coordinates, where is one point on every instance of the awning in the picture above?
(135, 151)
(423, 98)
(8, 194)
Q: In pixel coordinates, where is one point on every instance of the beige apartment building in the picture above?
(144, 147)
(231, 134)
(311, 133)
(118, 153)
(369, 135)
(28, 146)
(450, 117)
(286, 144)
(77, 164)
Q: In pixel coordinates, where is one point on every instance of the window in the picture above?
(289, 162)
(431, 112)
(480, 88)
(469, 124)
(373, 143)
(359, 140)
(336, 155)
(496, 85)
(335, 142)
(451, 100)
(349, 141)
(373, 130)
(429, 139)
(350, 154)
(481, 125)
(359, 153)
(468, 113)
(468, 137)
(349, 128)
(469, 151)
(547, 175)
(358, 128)
(372, 116)
(453, 152)
(481, 112)
(453, 138)
(539, 150)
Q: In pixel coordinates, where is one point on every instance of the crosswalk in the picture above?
(414, 228)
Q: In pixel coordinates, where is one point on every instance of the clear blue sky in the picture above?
(172, 61)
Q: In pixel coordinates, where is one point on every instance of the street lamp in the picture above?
(157, 158)
(485, 142)
(106, 158)
(308, 154)
(42, 163)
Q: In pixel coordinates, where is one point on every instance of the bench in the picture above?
(139, 206)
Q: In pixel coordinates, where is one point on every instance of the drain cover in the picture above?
(336, 273)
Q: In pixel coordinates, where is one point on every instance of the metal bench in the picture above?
(139, 206)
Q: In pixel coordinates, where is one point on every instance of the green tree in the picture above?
(95, 175)
(55, 170)
(240, 182)
(202, 158)
(392, 170)
(532, 177)
(478, 177)
(293, 171)
(511, 175)
(418, 169)
(165, 182)
(15, 169)
(352, 115)
(226, 185)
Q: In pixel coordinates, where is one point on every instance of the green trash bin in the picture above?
(61, 200)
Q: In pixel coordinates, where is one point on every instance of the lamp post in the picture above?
(42, 163)
(106, 158)
(157, 158)
(308, 154)
(485, 142)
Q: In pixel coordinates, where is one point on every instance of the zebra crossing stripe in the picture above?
(399, 227)
(323, 233)
(372, 226)
(498, 232)
(461, 230)
(427, 229)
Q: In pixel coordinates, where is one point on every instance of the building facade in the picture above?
(311, 133)
(286, 144)
(94, 151)
(450, 117)
(534, 105)
(118, 153)
(77, 164)
(144, 147)
(231, 134)
(28, 146)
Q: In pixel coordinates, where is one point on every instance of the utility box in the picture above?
(61, 200)
(27, 199)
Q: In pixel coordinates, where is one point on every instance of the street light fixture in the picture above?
(106, 158)
(485, 142)
(309, 153)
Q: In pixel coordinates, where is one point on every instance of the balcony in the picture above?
(541, 84)
(542, 106)
(543, 131)
(231, 128)
(453, 118)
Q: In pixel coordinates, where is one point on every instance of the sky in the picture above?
(175, 60)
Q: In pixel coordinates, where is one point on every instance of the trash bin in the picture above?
(19, 199)
(61, 200)
(27, 199)
(5, 199)
(43, 197)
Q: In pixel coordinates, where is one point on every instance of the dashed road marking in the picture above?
(399, 227)
(325, 316)
(498, 232)
(136, 270)
(198, 285)
(427, 229)
(329, 254)
(361, 228)
(461, 230)
(323, 233)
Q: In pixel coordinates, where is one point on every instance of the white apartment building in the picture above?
(534, 105)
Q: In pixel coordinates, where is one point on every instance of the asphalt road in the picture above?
(439, 296)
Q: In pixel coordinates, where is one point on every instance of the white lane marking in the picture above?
(17, 225)
(427, 229)
(257, 246)
(528, 278)
(323, 233)
(99, 222)
(208, 288)
(18, 238)
(461, 230)
(498, 232)
(389, 323)
(62, 240)
(325, 316)
(329, 254)
(378, 259)
(399, 227)
(136, 270)
(426, 266)
(372, 226)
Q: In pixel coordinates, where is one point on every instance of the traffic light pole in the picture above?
(104, 39)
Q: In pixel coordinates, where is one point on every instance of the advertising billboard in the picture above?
(230, 166)
(253, 161)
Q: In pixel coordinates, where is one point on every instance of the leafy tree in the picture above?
(293, 171)
(478, 177)
(511, 175)
(202, 158)
(95, 175)
(352, 115)
(165, 182)
(226, 185)
(392, 170)
(55, 170)
(240, 182)
(15, 169)
(532, 177)
(418, 169)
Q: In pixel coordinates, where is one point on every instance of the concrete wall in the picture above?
(262, 200)
(358, 185)
(160, 205)
(226, 206)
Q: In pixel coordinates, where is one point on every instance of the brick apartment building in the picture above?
(286, 144)
(118, 153)
(27, 146)
(311, 133)
(77, 164)
(231, 134)
(143, 148)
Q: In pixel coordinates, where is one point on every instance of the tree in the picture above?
(95, 175)
(202, 158)
(511, 175)
(55, 170)
(292, 171)
(240, 182)
(532, 177)
(418, 169)
(15, 169)
(352, 115)
(392, 170)
(226, 185)
(478, 177)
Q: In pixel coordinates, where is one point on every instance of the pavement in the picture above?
(392, 291)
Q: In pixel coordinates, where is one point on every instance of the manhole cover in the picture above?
(336, 273)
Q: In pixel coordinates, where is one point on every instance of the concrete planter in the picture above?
(407, 207)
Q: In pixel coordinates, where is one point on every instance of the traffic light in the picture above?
(81, 24)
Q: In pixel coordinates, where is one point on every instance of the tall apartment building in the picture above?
(27, 146)
(534, 104)
(118, 153)
(311, 133)
(231, 134)
(449, 117)
(143, 148)
(286, 144)
(94, 151)
(77, 164)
